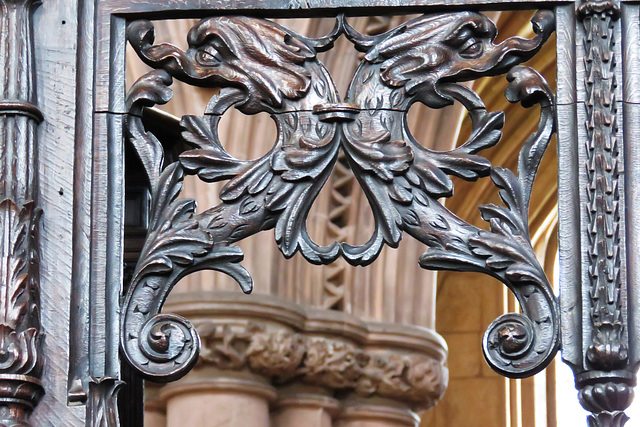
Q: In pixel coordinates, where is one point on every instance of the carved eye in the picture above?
(210, 55)
(467, 40)
(472, 48)
(213, 51)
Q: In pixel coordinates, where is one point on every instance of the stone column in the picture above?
(262, 355)
(375, 412)
(155, 411)
(301, 405)
(208, 397)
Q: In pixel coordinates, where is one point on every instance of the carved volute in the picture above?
(308, 151)
(317, 133)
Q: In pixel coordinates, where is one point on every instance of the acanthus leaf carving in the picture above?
(103, 406)
(178, 245)
(20, 334)
(424, 60)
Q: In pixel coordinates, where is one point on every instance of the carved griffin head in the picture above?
(451, 47)
(259, 56)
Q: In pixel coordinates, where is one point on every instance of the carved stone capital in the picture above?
(325, 362)
(321, 348)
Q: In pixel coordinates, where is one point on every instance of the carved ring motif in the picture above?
(260, 66)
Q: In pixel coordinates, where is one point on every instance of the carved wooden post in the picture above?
(595, 279)
(20, 335)
(261, 66)
(603, 391)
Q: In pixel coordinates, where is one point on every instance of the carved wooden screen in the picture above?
(261, 66)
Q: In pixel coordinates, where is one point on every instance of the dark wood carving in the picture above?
(103, 407)
(606, 388)
(603, 170)
(20, 334)
(260, 66)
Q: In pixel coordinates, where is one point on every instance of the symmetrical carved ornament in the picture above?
(287, 356)
(603, 168)
(260, 66)
(103, 408)
(342, 205)
(607, 389)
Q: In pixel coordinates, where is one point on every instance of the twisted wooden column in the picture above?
(20, 334)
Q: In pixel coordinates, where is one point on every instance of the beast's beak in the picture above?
(499, 59)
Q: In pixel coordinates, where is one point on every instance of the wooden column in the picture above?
(20, 335)
(598, 265)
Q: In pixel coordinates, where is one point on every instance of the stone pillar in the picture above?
(375, 412)
(301, 405)
(266, 362)
(214, 398)
(155, 411)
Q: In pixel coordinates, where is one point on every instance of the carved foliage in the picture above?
(275, 190)
(403, 180)
(165, 345)
(607, 350)
(261, 66)
(607, 389)
(103, 408)
(20, 334)
(285, 356)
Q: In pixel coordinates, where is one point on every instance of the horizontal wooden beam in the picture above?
(282, 8)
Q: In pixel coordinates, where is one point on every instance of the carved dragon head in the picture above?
(259, 56)
(451, 47)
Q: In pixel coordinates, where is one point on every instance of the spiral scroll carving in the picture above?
(260, 66)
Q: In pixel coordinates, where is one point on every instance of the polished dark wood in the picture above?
(21, 335)
(420, 61)
(260, 66)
